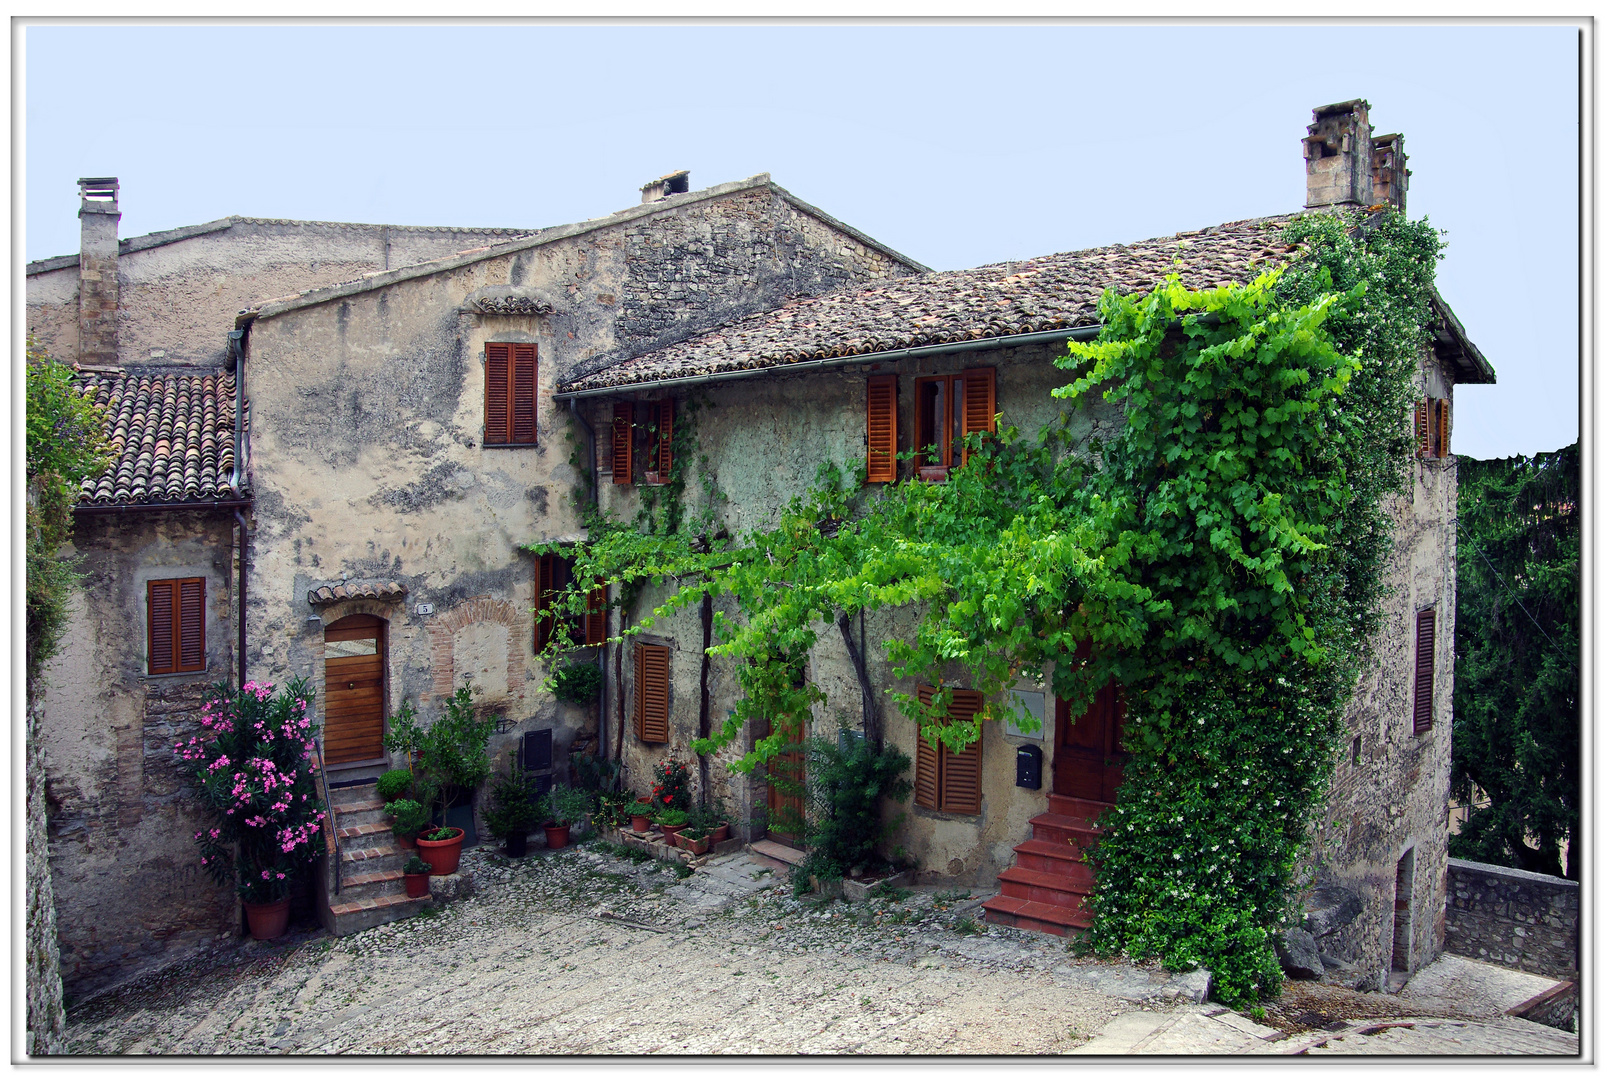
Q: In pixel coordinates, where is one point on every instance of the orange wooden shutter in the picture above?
(663, 448)
(653, 692)
(621, 451)
(881, 429)
(159, 607)
(497, 429)
(978, 401)
(1443, 427)
(192, 625)
(1423, 428)
(926, 764)
(523, 394)
(1425, 657)
(596, 624)
(961, 774)
(545, 597)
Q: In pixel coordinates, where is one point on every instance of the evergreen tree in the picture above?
(1516, 661)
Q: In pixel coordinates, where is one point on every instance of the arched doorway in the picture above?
(355, 690)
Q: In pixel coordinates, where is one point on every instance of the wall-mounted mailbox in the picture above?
(1029, 766)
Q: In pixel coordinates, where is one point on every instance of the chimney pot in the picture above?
(670, 184)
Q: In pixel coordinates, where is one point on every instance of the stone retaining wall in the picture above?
(1512, 917)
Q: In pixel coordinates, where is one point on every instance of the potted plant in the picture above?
(566, 806)
(671, 789)
(671, 823)
(452, 760)
(394, 784)
(721, 825)
(512, 812)
(408, 818)
(252, 770)
(696, 837)
(416, 877)
(642, 812)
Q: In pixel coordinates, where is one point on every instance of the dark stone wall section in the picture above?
(1512, 918)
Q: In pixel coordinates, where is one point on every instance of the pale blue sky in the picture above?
(958, 145)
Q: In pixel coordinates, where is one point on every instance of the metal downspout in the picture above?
(604, 649)
(239, 353)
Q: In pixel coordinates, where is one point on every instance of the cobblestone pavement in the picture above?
(583, 952)
(586, 951)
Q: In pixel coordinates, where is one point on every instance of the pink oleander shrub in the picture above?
(251, 768)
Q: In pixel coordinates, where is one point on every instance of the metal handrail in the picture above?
(329, 814)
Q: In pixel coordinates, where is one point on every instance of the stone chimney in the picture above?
(1346, 166)
(97, 270)
(670, 184)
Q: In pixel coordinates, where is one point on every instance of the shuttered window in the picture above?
(943, 781)
(553, 578)
(1426, 636)
(176, 625)
(662, 446)
(1432, 421)
(621, 444)
(949, 407)
(511, 394)
(881, 429)
(652, 692)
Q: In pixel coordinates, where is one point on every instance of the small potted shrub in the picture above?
(408, 818)
(696, 837)
(394, 784)
(453, 760)
(671, 823)
(513, 812)
(642, 811)
(416, 877)
(721, 821)
(671, 786)
(566, 806)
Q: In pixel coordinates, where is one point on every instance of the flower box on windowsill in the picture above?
(932, 474)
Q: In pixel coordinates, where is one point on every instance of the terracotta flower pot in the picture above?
(417, 885)
(267, 921)
(443, 855)
(720, 832)
(669, 832)
(405, 841)
(698, 847)
(640, 822)
(558, 835)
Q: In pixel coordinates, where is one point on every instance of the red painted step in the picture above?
(1043, 888)
(1055, 858)
(1086, 809)
(1060, 829)
(1029, 915)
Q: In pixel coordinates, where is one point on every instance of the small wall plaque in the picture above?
(424, 609)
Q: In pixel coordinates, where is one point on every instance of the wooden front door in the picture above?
(785, 795)
(354, 689)
(1087, 762)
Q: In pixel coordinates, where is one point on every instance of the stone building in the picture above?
(370, 488)
(840, 376)
(376, 446)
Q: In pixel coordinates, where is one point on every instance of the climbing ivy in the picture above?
(1217, 551)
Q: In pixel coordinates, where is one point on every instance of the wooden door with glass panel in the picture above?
(354, 690)
(949, 408)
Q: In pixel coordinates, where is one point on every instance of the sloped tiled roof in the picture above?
(173, 437)
(1048, 293)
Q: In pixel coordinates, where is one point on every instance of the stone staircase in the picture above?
(1046, 887)
(370, 867)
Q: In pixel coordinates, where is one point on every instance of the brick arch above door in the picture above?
(444, 671)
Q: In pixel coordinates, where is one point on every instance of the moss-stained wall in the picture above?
(129, 888)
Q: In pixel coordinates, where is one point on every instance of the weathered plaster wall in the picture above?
(129, 889)
(1395, 798)
(46, 1019)
(1513, 918)
(179, 298)
(368, 422)
(763, 439)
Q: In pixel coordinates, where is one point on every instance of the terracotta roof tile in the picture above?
(1047, 293)
(173, 437)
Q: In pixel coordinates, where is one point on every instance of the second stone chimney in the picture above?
(97, 270)
(1346, 166)
(670, 184)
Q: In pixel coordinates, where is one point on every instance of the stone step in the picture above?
(1068, 806)
(356, 814)
(375, 854)
(1055, 858)
(351, 916)
(781, 852)
(1029, 915)
(1060, 828)
(360, 835)
(369, 885)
